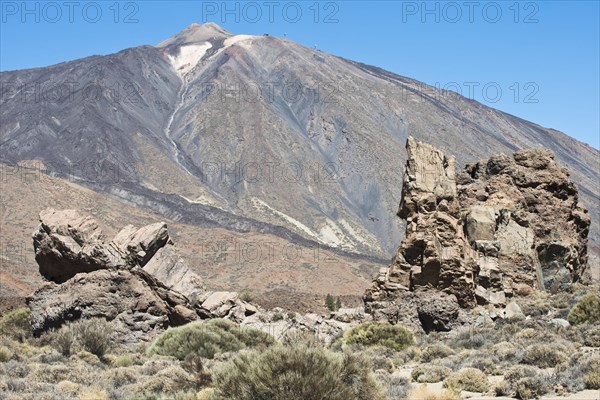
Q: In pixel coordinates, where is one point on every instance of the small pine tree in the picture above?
(338, 304)
(330, 302)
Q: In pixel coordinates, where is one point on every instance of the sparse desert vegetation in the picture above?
(218, 359)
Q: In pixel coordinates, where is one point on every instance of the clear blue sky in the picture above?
(543, 56)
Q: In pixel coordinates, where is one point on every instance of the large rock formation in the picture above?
(500, 225)
(137, 280)
(139, 305)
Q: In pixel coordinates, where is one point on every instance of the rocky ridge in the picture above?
(501, 226)
(138, 281)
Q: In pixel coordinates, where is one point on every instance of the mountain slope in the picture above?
(257, 133)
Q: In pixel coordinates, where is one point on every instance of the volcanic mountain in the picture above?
(255, 134)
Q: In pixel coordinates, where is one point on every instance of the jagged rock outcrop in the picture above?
(137, 280)
(499, 226)
(67, 243)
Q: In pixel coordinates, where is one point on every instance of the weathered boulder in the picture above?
(139, 306)
(67, 242)
(137, 280)
(500, 226)
(437, 310)
(171, 270)
(141, 244)
(224, 305)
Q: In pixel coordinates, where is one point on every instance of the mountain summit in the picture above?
(197, 33)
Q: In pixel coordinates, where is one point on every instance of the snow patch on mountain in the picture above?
(188, 57)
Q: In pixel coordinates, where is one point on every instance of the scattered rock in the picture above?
(288, 328)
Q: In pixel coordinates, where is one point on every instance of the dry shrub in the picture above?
(63, 340)
(194, 365)
(436, 350)
(395, 387)
(592, 380)
(94, 393)
(122, 376)
(505, 351)
(5, 354)
(503, 388)
(426, 373)
(469, 379)
(423, 393)
(394, 337)
(94, 335)
(527, 333)
(168, 381)
(206, 394)
(71, 388)
(296, 373)
(528, 382)
(545, 355)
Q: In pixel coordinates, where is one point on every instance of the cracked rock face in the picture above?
(139, 308)
(499, 226)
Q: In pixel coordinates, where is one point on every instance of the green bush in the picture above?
(94, 335)
(395, 337)
(469, 379)
(586, 310)
(208, 339)
(298, 372)
(545, 355)
(333, 304)
(16, 324)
